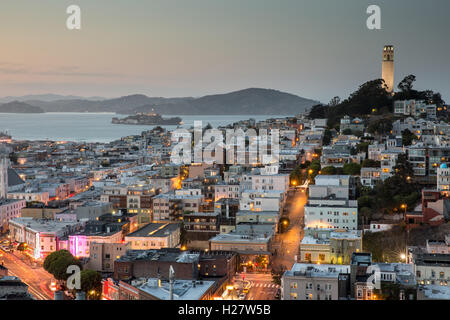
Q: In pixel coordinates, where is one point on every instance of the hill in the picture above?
(248, 101)
(19, 107)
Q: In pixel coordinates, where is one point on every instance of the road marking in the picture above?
(35, 292)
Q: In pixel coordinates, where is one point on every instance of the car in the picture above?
(53, 286)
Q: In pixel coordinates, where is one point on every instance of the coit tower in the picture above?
(388, 68)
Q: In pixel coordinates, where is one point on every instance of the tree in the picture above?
(408, 137)
(277, 274)
(403, 167)
(57, 263)
(381, 127)
(313, 169)
(326, 137)
(363, 147)
(347, 132)
(406, 84)
(335, 101)
(352, 169)
(318, 112)
(330, 170)
(296, 176)
(369, 163)
(91, 284)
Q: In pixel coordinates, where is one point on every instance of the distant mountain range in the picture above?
(245, 102)
(47, 97)
(19, 107)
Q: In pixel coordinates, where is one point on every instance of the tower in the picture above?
(388, 68)
(4, 163)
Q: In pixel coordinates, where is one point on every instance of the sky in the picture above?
(316, 49)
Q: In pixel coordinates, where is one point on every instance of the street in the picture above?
(287, 244)
(260, 286)
(37, 279)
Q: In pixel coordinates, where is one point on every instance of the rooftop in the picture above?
(155, 230)
(166, 254)
(42, 225)
(182, 289)
(435, 292)
(317, 270)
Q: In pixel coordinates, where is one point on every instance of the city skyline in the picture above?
(314, 50)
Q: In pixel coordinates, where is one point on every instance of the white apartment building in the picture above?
(312, 281)
(370, 176)
(443, 178)
(329, 205)
(415, 108)
(256, 200)
(155, 236)
(41, 236)
(267, 179)
(374, 151)
(9, 209)
(388, 162)
(432, 269)
(30, 196)
(332, 214)
(229, 191)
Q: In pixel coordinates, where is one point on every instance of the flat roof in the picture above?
(166, 254)
(155, 230)
(43, 225)
(182, 289)
(317, 270)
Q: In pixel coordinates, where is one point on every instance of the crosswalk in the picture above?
(264, 285)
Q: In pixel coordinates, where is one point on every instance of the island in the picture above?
(148, 119)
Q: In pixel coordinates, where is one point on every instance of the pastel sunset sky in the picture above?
(315, 49)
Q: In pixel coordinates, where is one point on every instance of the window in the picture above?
(359, 293)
